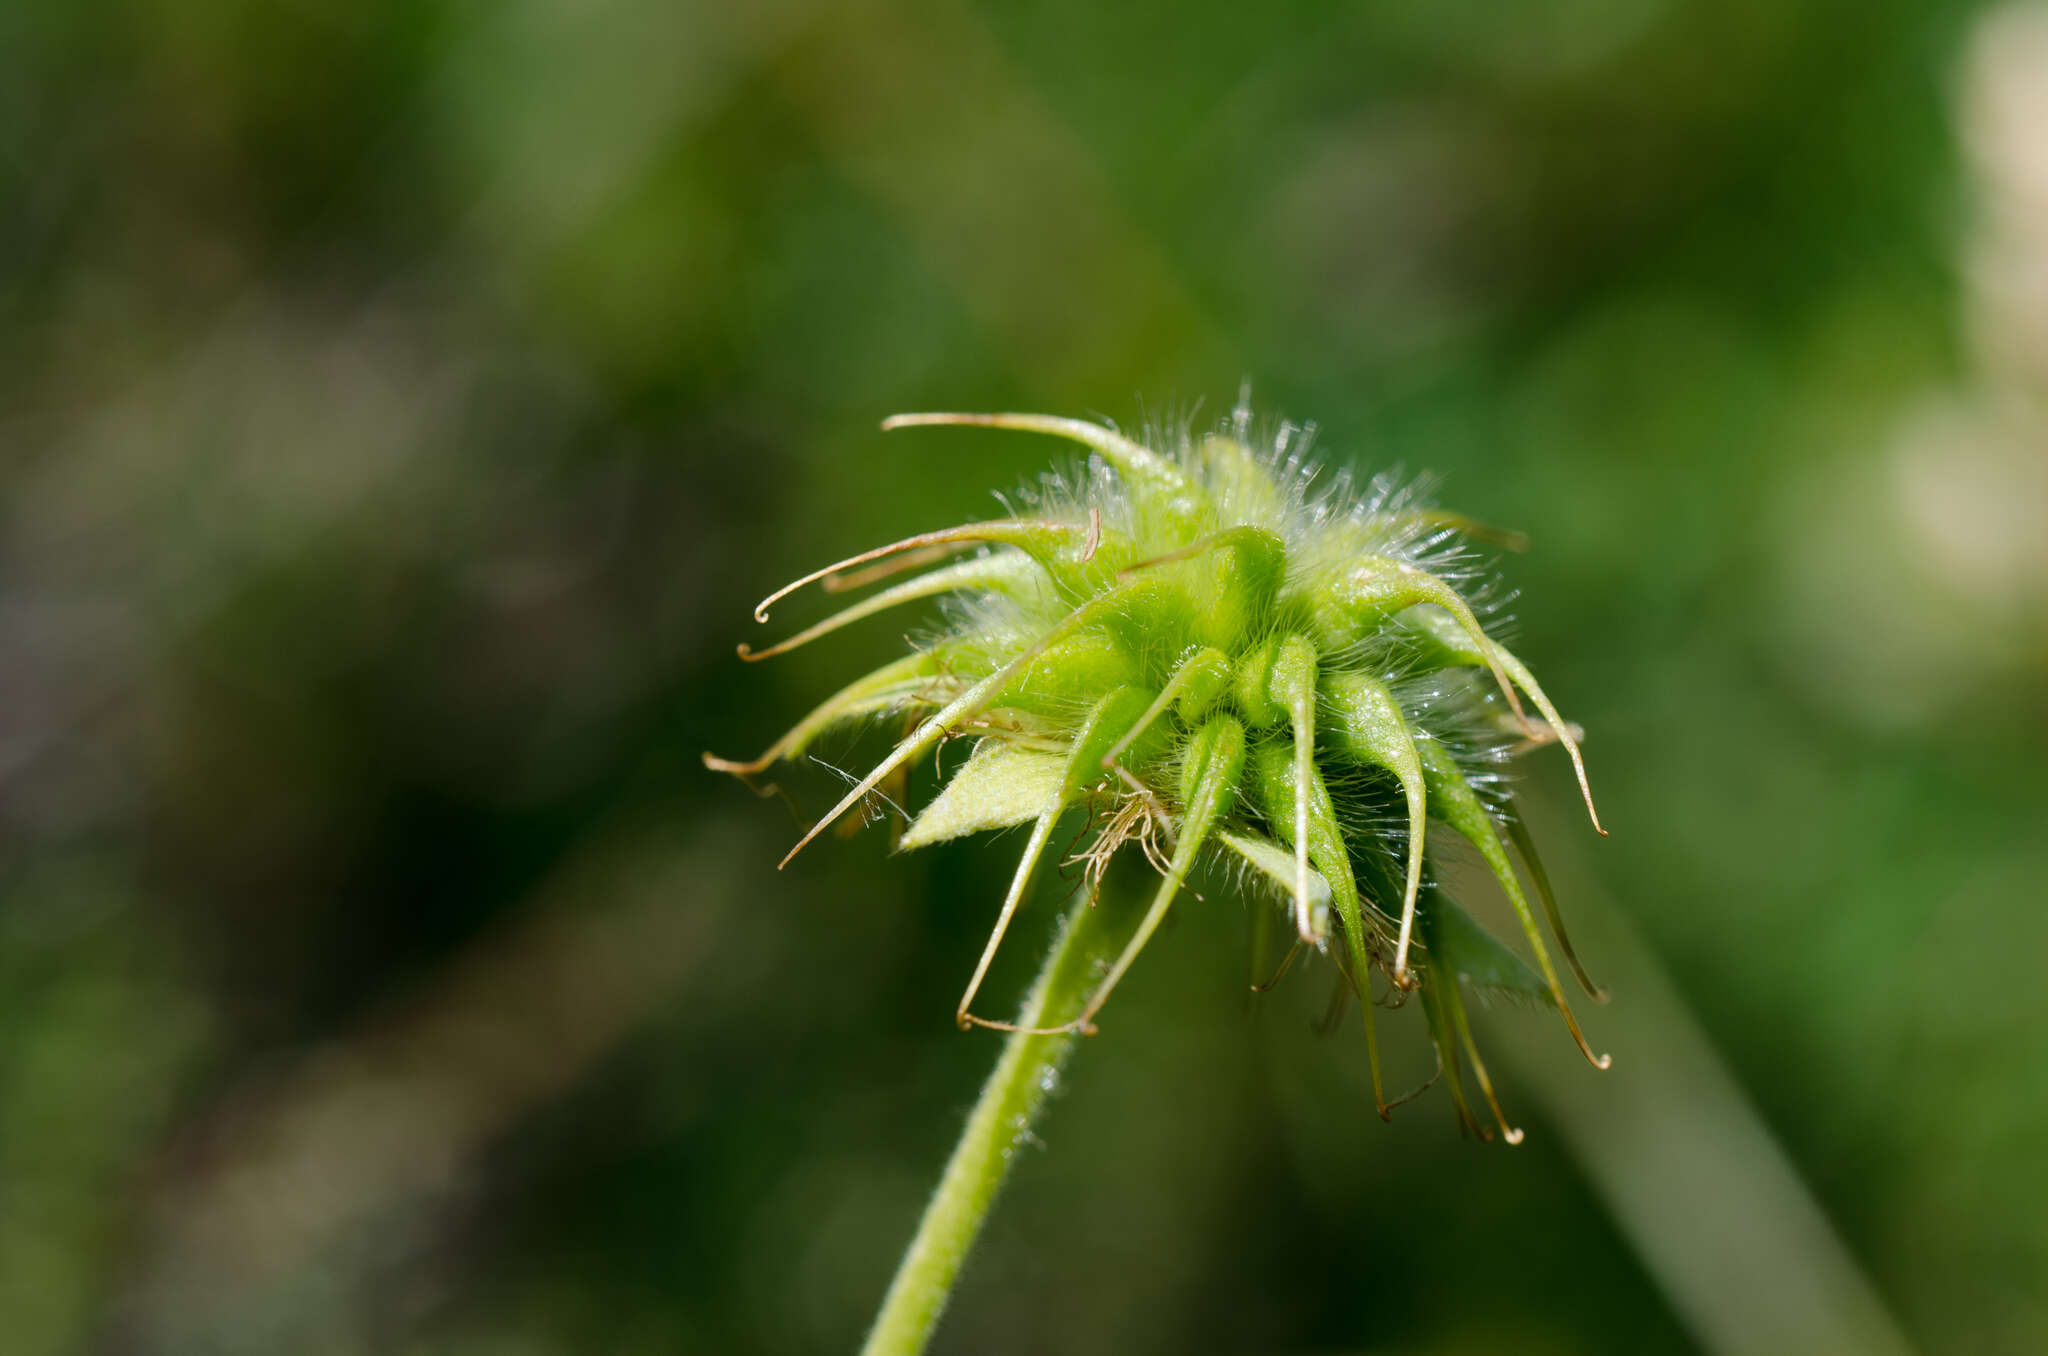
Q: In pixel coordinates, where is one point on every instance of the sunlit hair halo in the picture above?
(1215, 650)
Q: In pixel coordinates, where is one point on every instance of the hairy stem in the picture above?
(998, 1127)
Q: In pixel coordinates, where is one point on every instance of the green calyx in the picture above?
(1210, 660)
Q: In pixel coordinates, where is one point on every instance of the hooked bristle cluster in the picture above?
(1212, 655)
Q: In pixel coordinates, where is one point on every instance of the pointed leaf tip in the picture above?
(998, 787)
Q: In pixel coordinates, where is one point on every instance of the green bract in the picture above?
(1208, 652)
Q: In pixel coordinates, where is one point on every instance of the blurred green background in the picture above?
(404, 401)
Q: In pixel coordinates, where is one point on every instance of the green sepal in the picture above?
(1110, 721)
(1369, 725)
(1069, 674)
(1448, 640)
(1459, 948)
(1252, 685)
(1204, 678)
(1369, 591)
(1000, 785)
(1273, 678)
(1452, 800)
(1077, 572)
(1055, 546)
(1276, 864)
(1234, 585)
(1153, 614)
(1439, 637)
(1210, 773)
(1272, 781)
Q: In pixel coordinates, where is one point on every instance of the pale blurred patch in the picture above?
(1917, 571)
(2004, 109)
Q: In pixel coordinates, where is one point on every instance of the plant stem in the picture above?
(999, 1125)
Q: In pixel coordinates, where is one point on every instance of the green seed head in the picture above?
(1213, 653)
